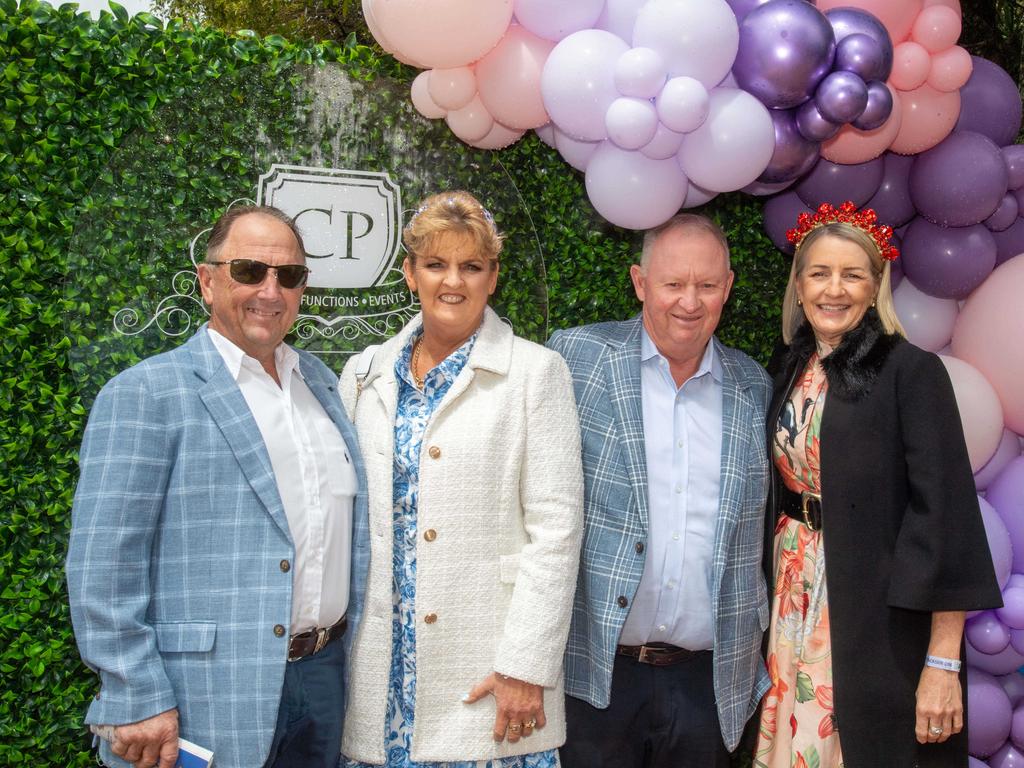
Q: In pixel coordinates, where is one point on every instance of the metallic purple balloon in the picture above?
(812, 125)
(841, 97)
(786, 48)
(780, 214)
(990, 103)
(1013, 156)
(878, 109)
(960, 181)
(853, 21)
(830, 182)
(896, 267)
(947, 262)
(1004, 216)
(860, 54)
(892, 201)
(741, 8)
(794, 155)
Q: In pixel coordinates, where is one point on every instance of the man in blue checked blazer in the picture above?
(663, 666)
(219, 545)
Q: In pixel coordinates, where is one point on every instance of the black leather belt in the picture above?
(805, 507)
(658, 654)
(314, 640)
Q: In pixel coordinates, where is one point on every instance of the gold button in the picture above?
(430, 618)
(430, 534)
(97, 695)
(286, 566)
(434, 452)
(278, 630)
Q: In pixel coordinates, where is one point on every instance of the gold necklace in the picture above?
(417, 380)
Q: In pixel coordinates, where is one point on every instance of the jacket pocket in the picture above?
(185, 636)
(508, 568)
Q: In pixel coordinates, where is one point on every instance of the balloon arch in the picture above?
(664, 104)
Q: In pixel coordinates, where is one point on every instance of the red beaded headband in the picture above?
(846, 213)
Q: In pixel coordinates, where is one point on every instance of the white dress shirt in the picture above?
(683, 443)
(315, 478)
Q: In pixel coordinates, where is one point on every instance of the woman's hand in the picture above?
(519, 705)
(940, 704)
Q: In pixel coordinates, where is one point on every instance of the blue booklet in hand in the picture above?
(189, 755)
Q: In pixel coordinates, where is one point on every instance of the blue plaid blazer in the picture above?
(174, 563)
(605, 363)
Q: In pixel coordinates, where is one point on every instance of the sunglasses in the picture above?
(252, 272)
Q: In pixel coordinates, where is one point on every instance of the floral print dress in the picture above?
(415, 409)
(798, 727)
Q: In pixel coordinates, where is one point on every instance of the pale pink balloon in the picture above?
(442, 33)
(851, 146)
(546, 133)
(927, 320)
(954, 4)
(951, 69)
(472, 122)
(498, 137)
(936, 28)
(989, 334)
(897, 15)
(452, 88)
(508, 79)
(421, 98)
(911, 63)
(928, 117)
(980, 413)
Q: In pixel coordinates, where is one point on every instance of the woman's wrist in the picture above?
(942, 662)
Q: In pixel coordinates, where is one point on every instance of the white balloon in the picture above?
(664, 145)
(683, 104)
(619, 16)
(632, 190)
(575, 152)
(927, 320)
(546, 133)
(421, 98)
(640, 72)
(697, 38)
(697, 196)
(556, 19)
(631, 123)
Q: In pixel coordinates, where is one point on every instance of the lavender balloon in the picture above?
(780, 214)
(786, 48)
(794, 155)
(998, 544)
(1004, 216)
(989, 713)
(742, 7)
(960, 181)
(841, 97)
(1008, 450)
(1006, 494)
(1009, 242)
(1007, 756)
(878, 109)
(812, 124)
(833, 183)
(990, 103)
(947, 262)
(892, 201)
(986, 633)
(1013, 156)
(853, 21)
(1002, 663)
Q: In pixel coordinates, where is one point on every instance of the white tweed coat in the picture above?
(501, 486)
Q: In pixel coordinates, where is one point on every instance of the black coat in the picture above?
(903, 535)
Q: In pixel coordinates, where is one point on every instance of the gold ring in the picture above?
(531, 724)
(515, 727)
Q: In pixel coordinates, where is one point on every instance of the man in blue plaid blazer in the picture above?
(219, 528)
(663, 666)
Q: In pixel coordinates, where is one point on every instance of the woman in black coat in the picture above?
(875, 539)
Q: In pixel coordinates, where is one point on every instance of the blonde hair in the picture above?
(793, 314)
(455, 211)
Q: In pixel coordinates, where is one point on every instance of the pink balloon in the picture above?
(852, 146)
(421, 98)
(1007, 756)
(632, 190)
(998, 544)
(442, 33)
(508, 79)
(452, 88)
(575, 152)
(472, 122)
(556, 19)
(910, 66)
(936, 28)
(950, 69)
(928, 117)
(897, 15)
(1013, 684)
(986, 633)
(980, 412)
(927, 320)
(499, 137)
(989, 334)
(954, 4)
(1008, 450)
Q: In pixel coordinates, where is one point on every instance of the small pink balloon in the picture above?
(421, 98)
(897, 15)
(986, 633)
(852, 146)
(980, 412)
(999, 545)
(910, 66)
(1012, 612)
(499, 137)
(472, 122)
(928, 117)
(508, 79)
(950, 69)
(452, 88)
(936, 28)
(954, 4)
(1007, 450)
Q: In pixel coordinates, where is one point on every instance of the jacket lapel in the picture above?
(622, 373)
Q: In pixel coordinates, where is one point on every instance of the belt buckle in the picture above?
(321, 640)
(642, 658)
(805, 497)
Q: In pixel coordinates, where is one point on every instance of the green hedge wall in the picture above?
(74, 92)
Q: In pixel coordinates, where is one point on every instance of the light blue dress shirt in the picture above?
(683, 443)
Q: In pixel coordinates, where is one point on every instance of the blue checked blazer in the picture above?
(174, 564)
(605, 363)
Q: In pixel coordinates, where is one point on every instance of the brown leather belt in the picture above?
(314, 640)
(658, 654)
(805, 507)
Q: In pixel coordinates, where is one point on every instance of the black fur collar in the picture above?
(853, 366)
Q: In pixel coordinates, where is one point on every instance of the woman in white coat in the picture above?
(473, 463)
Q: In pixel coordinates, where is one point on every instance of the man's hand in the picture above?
(149, 742)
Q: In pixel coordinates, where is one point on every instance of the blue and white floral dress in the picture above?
(414, 411)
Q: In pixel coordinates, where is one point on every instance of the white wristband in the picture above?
(951, 665)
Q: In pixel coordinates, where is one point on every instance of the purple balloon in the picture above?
(990, 103)
(973, 762)
(960, 181)
(1007, 756)
(741, 8)
(1005, 214)
(841, 97)
(786, 47)
(896, 267)
(1017, 639)
(947, 262)
(998, 546)
(986, 633)
(1013, 156)
(1017, 727)
(1006, 494)
(780, 215)
(1002, 663)
(860, 54)
(853, 21)
(812, 124)
(830, 182)
(1007, 450)
(1012, 612)
(892, 201)
(794, 155)
(1009, 242)
(989, 713)
(1013, 684)
(878, 109)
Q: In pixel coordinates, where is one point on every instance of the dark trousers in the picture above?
(308, 732)
(659, 717)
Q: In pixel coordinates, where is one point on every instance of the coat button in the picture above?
(430, 534)
(639, 547)
(434, 452)
(622, 601)
(430, 618)
(285, 566)
(97, 695)
(278, 630)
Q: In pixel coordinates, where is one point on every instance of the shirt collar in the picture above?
(709, 363)
(286, 359)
